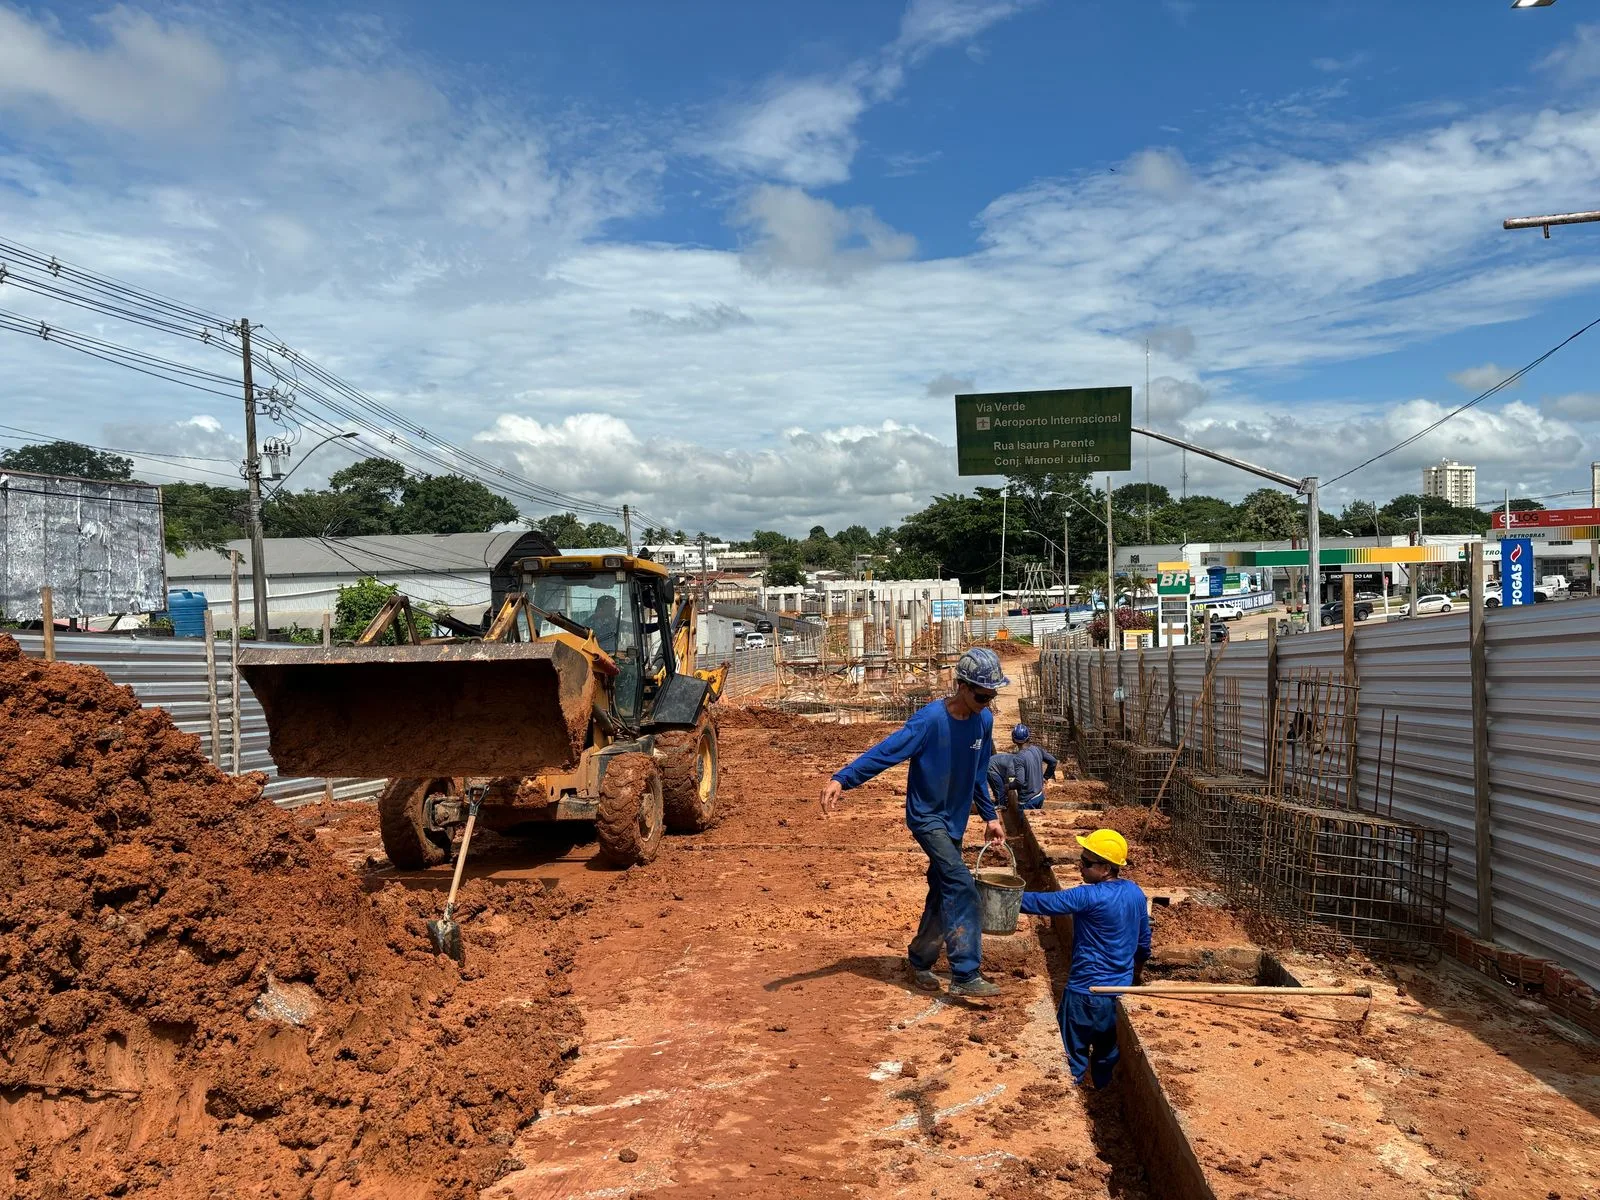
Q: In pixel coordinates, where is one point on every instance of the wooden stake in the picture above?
(233, 664)
(211, 687)
(47, 619)
(1229, 989)
(327, 630)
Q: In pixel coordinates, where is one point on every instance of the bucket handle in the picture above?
(987, 846)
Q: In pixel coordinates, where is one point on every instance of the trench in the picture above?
(1134, 1125)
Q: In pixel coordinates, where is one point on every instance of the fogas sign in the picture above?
(1516, 570)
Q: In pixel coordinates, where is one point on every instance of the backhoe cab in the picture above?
(580, 702)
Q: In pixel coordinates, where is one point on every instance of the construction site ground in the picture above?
(749, 1030)
(209, 1007)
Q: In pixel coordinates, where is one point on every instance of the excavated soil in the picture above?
(197, 1000)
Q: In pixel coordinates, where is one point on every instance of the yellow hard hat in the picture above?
(1108, 844)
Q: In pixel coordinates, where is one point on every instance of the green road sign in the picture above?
(1064, 429)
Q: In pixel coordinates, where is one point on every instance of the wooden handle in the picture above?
(461, 859)
(1228, 989)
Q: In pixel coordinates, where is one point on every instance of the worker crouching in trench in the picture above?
(948, 744)
(1110, 943)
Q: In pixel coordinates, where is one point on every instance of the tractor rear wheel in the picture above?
(630, 819)
(689, 777)
(403, 824)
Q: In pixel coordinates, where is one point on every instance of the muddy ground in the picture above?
(732, 1020)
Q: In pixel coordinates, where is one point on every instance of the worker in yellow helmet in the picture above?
(1110, 942)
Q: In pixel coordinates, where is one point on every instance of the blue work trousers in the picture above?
(1034, 801)
(1089, 1032)
(950, 914)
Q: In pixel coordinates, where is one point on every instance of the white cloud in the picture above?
(1578, 60)
(834, 477)
(1582, 407)
(1161, 172)
(946, 384)
(1338, 66)
(458, 259)
(803, 131)
(800, 131)
(1478, 379)
(794, 231)
(144, 75)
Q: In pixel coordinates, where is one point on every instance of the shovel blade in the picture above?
(445, 935)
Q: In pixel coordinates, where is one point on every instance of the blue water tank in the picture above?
(187, 612)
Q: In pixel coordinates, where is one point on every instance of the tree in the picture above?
(784, 573)
(450, 504)
(68, 458)
(357, 604)
(1525, 504)
(201, 517)
(1268, 515)
(1130, 497)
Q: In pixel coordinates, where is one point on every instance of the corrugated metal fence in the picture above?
(171, 673)
(1543, 672)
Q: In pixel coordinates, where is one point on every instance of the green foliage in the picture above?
(202, 517)
(569, 533)
(1269, 515)
(68, 458)
(784, 573)
(451, 504)
(357, 604)
(1525, 504)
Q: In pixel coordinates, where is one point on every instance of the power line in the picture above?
(1480, 398)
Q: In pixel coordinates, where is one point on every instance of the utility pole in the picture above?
(1416, 568)
(1306, 487)
(1147, 443)
(627, 529)
(705, 586)
(1313, 551)
(1066, 567)
(1111, 584)
(1594, 545)
(252, 475)
(1005, 499)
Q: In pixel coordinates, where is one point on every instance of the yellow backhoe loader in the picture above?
(581, 701)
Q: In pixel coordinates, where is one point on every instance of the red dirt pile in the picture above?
(195, 1000)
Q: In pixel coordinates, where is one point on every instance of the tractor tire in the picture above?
(407, 840)
(689, 777)
(630, 820)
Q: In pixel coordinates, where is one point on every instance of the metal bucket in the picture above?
(999, 894)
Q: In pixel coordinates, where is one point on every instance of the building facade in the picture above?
(1452, 481)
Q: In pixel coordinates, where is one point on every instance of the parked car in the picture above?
(1225, 612)
(1435, 603)
(1541, 595)
(1333, 611)
(739, 627)
(1219, 631)
(763, 626)
(789, 639)
(754, 641)
(1579, 587)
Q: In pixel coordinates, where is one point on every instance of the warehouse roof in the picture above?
(389, 554)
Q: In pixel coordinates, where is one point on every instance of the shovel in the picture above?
(444, 933)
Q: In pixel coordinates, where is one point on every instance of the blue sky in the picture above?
(729, 261)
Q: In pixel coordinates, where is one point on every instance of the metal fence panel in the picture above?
(1246, 662)
(1421, 672)
(1320, 651)
(1544, 777)
(170, 673)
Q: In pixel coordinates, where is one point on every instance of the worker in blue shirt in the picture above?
(1025, 767)
(948, 743)
(1110, 942)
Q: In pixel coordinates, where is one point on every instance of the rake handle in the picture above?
(1230, 989)
(461, 858)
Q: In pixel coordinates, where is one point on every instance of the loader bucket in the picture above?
(457, 709)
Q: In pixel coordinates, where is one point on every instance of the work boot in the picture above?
(975, 988)
(923, 978)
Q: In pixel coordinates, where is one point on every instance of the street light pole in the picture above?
(1306, 487)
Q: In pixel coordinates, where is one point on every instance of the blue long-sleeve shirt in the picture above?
(949, 759)
(1029, 765)
(1110, 930)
